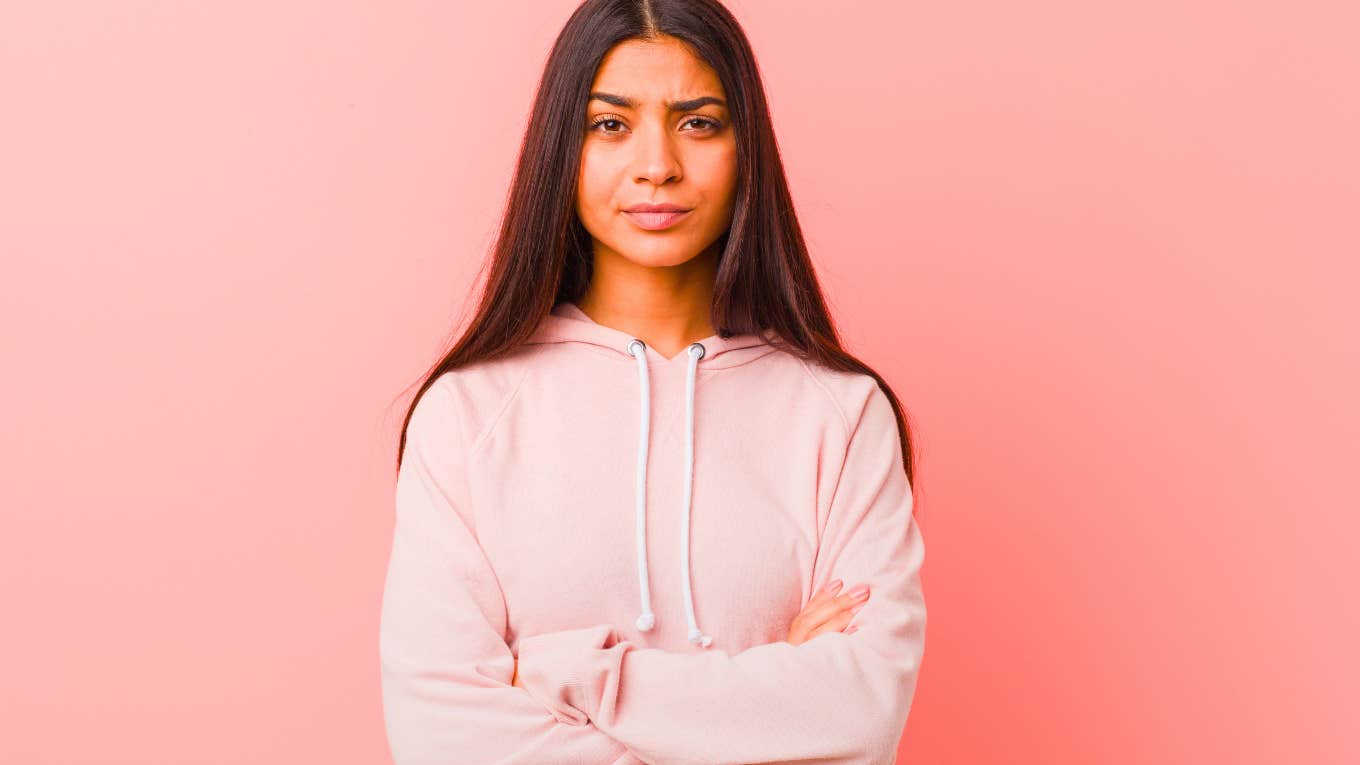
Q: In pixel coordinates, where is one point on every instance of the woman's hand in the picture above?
(826, 612)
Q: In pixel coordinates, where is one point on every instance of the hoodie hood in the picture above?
(567, 323)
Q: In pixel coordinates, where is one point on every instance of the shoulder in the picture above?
(853, 395)
(471, 397)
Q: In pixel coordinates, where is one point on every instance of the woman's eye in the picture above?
(705, 123)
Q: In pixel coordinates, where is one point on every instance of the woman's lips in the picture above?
(655, 221)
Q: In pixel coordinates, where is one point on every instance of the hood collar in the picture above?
(568, 323)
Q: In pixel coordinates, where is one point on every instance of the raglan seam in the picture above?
(845, 421)
(484, 436)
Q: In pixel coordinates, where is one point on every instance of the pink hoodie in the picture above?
(640, 532)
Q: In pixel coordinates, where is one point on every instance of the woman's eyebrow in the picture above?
(675, 106)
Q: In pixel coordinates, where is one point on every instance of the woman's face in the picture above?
(642, 148)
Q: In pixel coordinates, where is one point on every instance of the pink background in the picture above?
(1105, 252)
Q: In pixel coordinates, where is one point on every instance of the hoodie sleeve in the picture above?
(837, 698)
(446, 668)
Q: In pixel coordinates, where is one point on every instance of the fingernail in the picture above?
(861, 591)
(851, 629)
(833, 585)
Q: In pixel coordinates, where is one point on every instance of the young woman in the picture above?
(628, 498)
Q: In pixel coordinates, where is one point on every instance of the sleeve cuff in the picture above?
(555, 668)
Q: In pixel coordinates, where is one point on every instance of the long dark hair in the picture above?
(543, 254)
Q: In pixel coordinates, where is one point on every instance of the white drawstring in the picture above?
(647, 619)
(695, 635)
